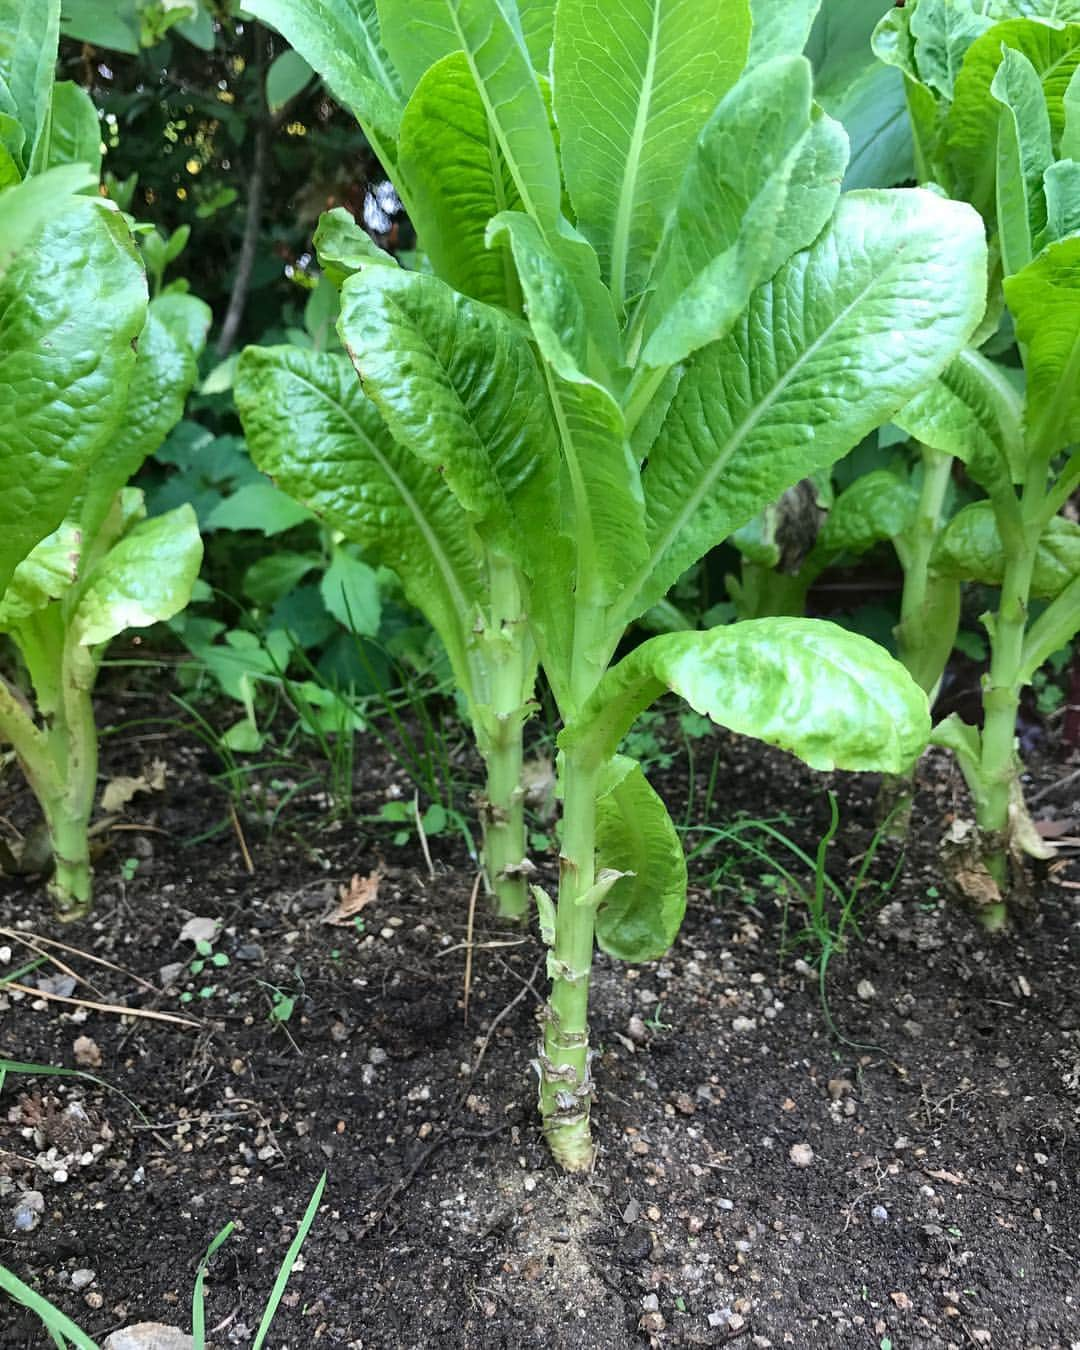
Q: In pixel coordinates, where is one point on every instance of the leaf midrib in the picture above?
(745, 429)
(624, 214)
(443, 561)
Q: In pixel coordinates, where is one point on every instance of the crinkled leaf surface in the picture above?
(310, 427)
(145, 578)
(972, 411)
(457, 384)
(341, 40)
(832, 697)
(458, 180)
(166, 368)
(970, 549)
(829, 349)
(71, 308)
(635, 81)
(1045, 302)
(878, 505)
(27, 205)
(44, 575)
(640, 916)
(762, 182)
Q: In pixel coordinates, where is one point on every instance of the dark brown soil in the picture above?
(937, 1205)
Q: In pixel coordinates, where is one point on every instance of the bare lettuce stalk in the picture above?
(704, 321)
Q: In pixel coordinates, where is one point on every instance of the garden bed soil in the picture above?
(909, 1182)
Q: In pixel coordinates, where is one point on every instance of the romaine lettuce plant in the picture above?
(76, 565)
(996, 111)
(705, 323)
(309, 425)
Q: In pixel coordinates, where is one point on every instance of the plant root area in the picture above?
(906, 1177)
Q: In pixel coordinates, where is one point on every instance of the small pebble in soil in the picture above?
(81, 1278)
(377, 1055)
(865, 990)
(802, 1155)
(28, 1210)
(879, 1214)
(635, 1029)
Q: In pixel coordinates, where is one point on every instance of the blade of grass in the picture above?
(198, 1306)
(283, 1274)
(60, 1327)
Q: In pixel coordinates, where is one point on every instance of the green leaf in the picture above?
(1045, 303)
(1024, 154)
(1061, 186)
(166, 368)
(258, 506)
(877, 506)
(605, 482)
(457, 181)
(761, 184)
(418, 33)
(344, 247)
(943, 30)
(964, 740)
(780, 28)
(99, 23)
(70, 310)
(489, 33)
(25, 207)
(970, 549)
(309, 424)
(145, 578)
(289, 73)
(827, 350)
(973, 123)
(832, 697)
(74, 130)
(634, 85)
(341, 40)
(457, 384)
(44, 575)
(29, 34)
(862, 93)
(537, 27)
(1055, 628)
(1070, 134)
(972, 411)
(640, 916)
(350, 591)
(275, 574)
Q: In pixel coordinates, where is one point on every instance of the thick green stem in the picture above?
(565, 1077)
(59, 761)
(930, 607)
(509, 675)
(1001, 699)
